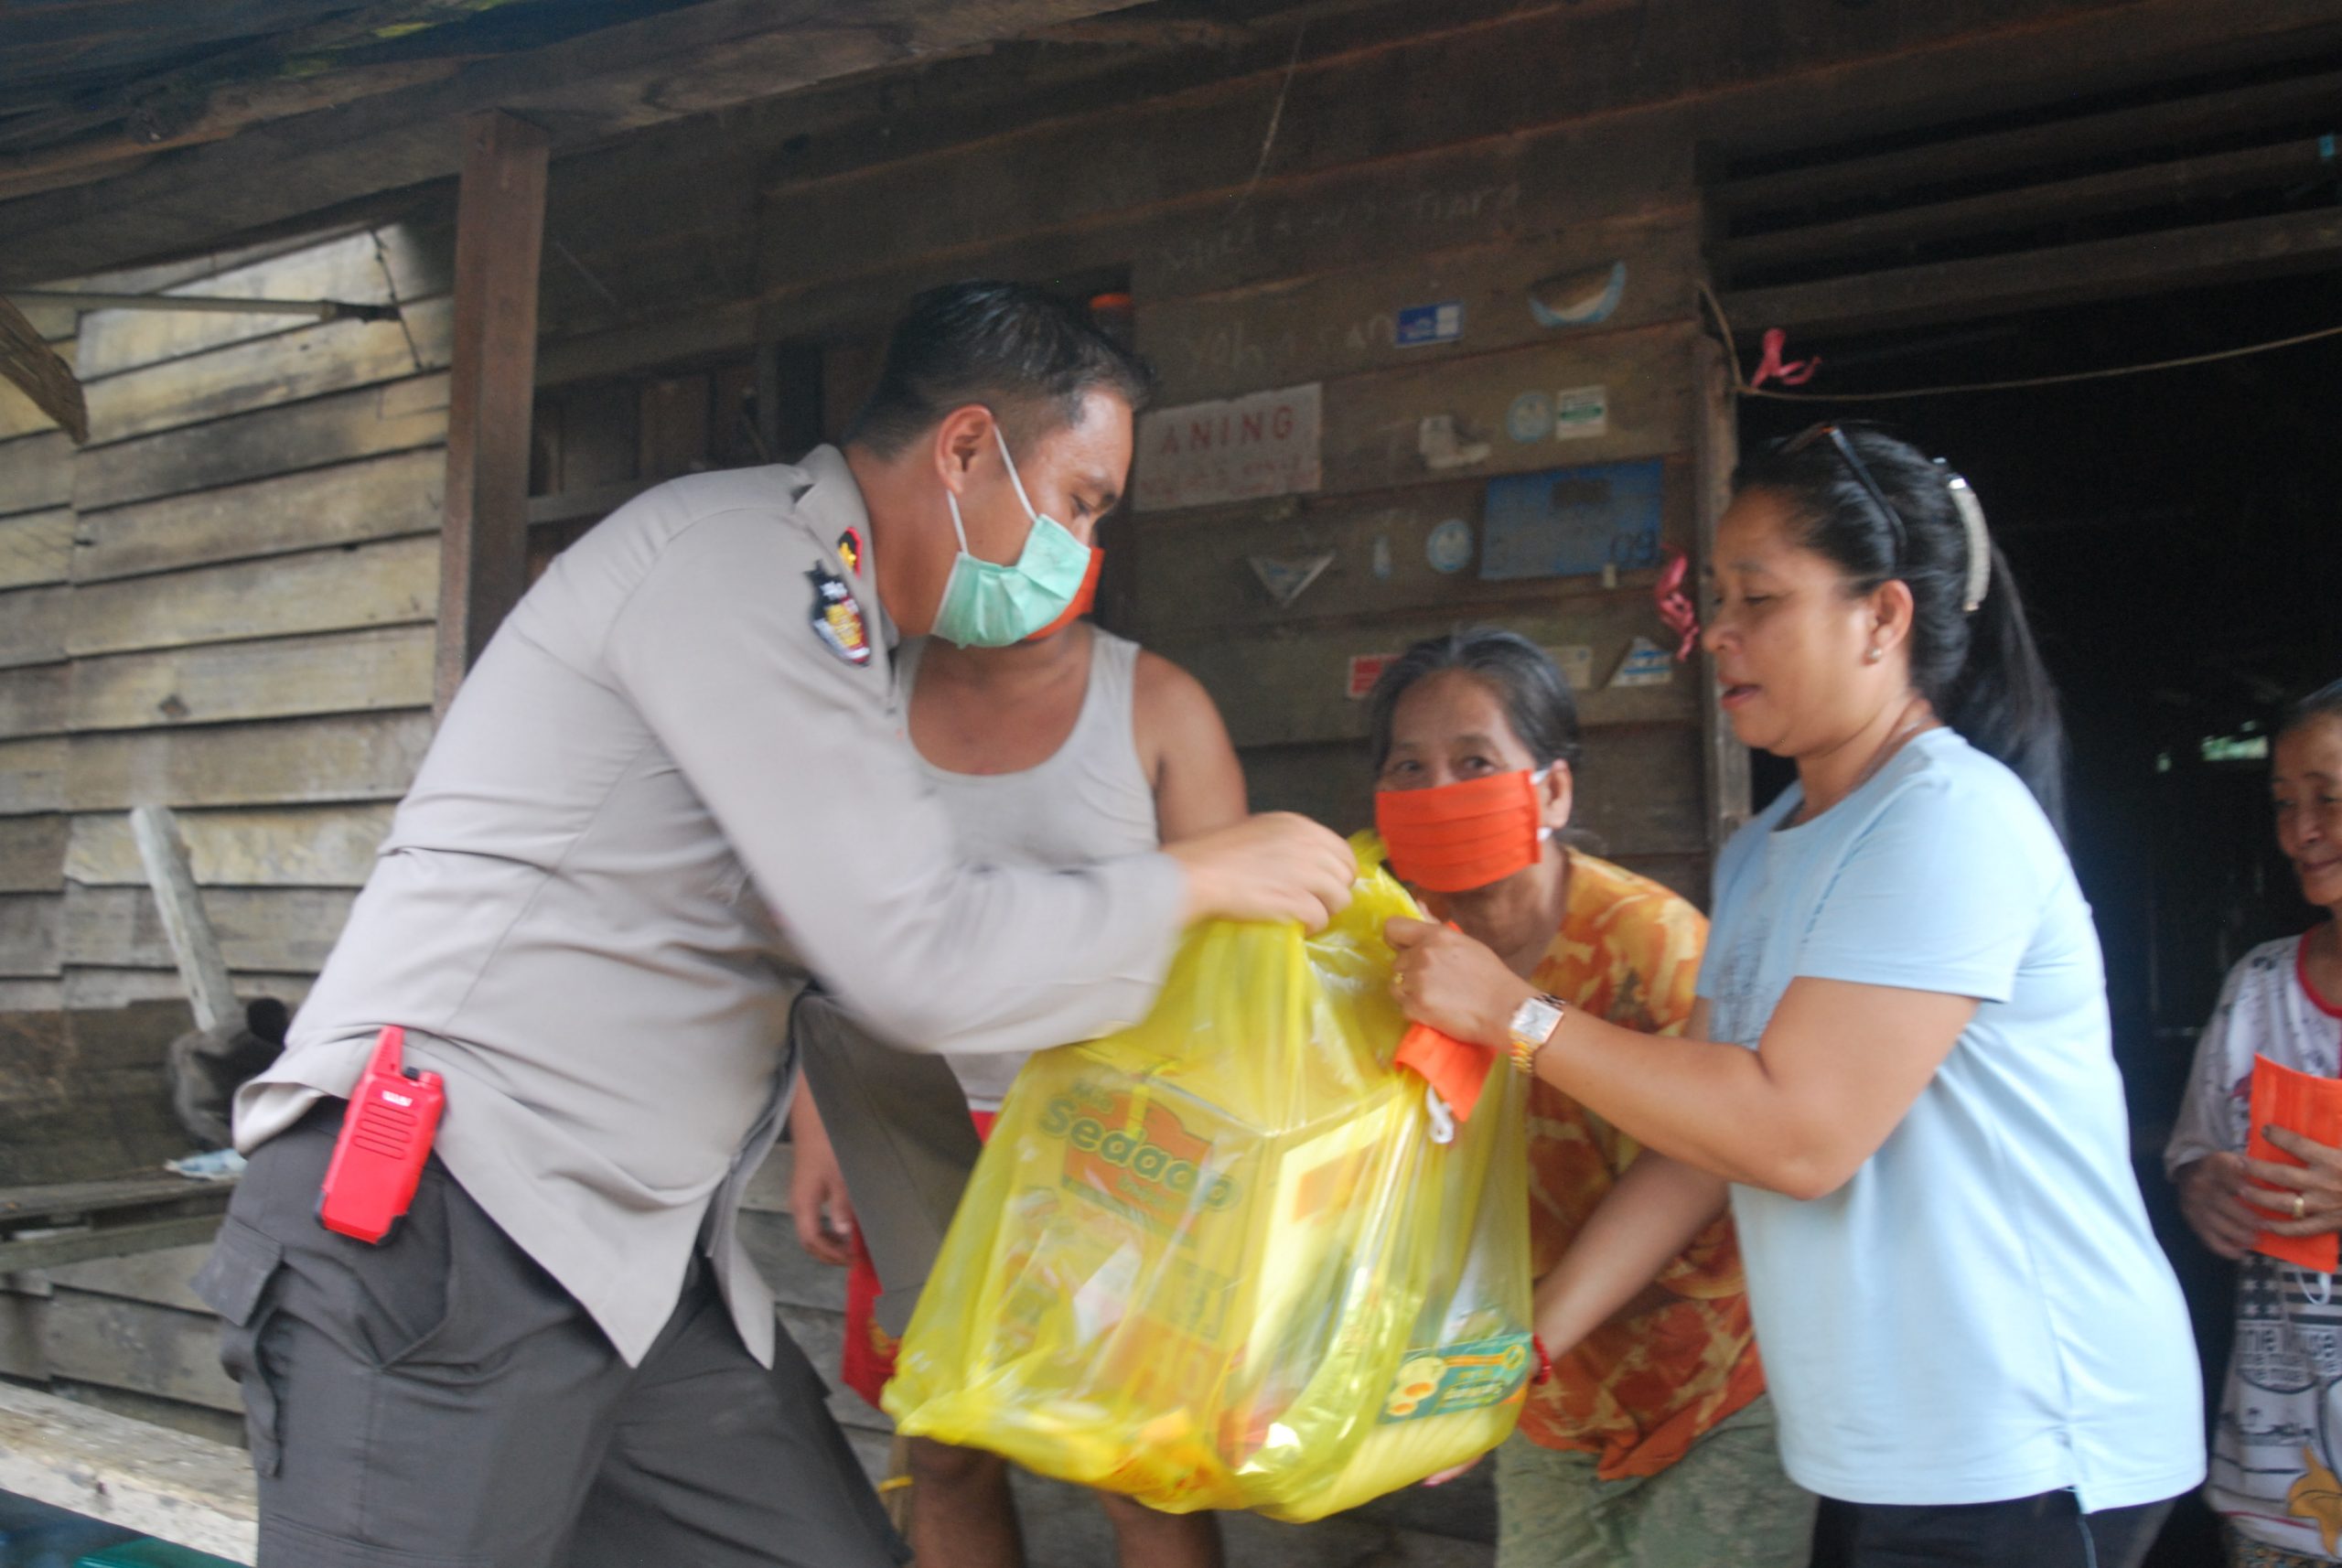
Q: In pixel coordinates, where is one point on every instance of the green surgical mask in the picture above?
(986, 605)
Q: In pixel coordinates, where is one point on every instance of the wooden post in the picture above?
(500, 233)
(210, 996)
(1715, 452)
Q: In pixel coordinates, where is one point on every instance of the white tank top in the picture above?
(1089, 800)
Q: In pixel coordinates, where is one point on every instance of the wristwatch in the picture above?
(1533, 1023)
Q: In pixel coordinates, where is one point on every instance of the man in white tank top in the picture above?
(1074, 749)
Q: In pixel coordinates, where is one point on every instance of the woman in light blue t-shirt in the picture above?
(1969, 1332)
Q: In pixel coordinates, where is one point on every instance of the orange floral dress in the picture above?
(1639, 1393)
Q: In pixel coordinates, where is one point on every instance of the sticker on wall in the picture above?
(1440, 448)
(1381, 558)
(1287, 577)
(1646, 664)
(1568, 523)
(1579, 413)
(1365, 670)
(1575, 662)
(1530, 417)
(1420, 325)
(1241, 448)
(1580, 298)
(1449, 548)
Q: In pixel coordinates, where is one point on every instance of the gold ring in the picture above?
(2298, 1205)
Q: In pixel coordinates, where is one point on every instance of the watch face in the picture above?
(1534, 1019)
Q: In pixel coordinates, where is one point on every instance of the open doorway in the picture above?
(2178, 539)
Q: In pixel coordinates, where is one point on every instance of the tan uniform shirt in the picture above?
(676, 784)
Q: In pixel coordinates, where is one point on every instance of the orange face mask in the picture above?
(1452, 838)
(1083, 598)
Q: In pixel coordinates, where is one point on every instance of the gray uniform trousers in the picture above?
(439, 1402)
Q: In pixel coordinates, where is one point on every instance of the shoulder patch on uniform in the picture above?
(837, 618)
(850, 549)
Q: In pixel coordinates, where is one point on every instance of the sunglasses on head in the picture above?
(1835, 434)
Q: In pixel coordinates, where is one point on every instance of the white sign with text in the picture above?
(1240, 448)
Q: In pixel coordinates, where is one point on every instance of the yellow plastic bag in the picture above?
(1219, 1261)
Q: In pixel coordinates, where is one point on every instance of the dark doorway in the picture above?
(2178, 539)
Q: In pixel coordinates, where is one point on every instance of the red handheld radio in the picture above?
(385, 1139)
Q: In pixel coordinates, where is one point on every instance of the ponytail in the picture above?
(1979, 668)
(2003, 700)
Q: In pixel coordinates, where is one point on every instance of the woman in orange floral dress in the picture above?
(1652, 1447)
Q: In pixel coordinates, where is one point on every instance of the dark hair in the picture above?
(1980, 672)
(2325, 702)
(1021, 351)
(1536, 696)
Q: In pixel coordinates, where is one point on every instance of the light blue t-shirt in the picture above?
(1982, 1312)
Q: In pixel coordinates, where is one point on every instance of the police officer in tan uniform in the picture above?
(676, 785)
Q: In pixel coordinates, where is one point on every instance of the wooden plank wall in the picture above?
(222, 605)
(1385, 198)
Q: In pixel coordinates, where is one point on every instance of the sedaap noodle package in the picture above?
(1219, 1261)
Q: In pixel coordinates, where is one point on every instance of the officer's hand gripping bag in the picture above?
(1218, 1260)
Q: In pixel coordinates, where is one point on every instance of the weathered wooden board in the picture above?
(31, 995)
(1344, 112)
(166, 1484)
(1374, 422)
(297, 761)
(287, 929)
(32, 853)
(1290, 686)
(1388, 211)
(310, 362)
(345, 672)
(31, 926)
(34, 699)
(348, 504)
(32, 626)
(36, 472)
(358, 268)
(86, 989)
(82, 1095)
(1642, 791)
(1689, 874)
(398, 417)
(390, 583)
(32, 775)
(159, 1277)
(1327, 780)
(1337, 323)
(138, 1345)
(36, 546)
(312, 846)
(220, 1426)
(1192, 572)
(18, 418)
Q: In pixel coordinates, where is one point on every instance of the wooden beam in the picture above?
(688, 60)
(211, 995)
(2032, 147)
(2049, 202)
(195, 1493)
(499, 235)
(2029, 280)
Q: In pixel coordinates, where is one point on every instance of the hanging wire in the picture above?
(1740, 382)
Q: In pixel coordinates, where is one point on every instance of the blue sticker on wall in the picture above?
(1571, 523)
(1420, 324)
